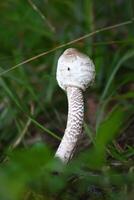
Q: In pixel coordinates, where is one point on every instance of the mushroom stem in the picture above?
(74, 124)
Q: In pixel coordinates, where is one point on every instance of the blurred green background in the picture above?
(33, 109)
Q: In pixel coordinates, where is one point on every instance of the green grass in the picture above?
(33, 109)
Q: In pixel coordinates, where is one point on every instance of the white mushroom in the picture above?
(75, 72)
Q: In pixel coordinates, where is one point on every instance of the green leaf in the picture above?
(124, 58)
(110, 127)
(107, 131)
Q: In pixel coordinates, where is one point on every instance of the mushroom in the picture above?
(75, 72)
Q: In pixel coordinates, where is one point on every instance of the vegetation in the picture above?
(33, 108)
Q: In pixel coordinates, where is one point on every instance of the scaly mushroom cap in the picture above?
(75, 69)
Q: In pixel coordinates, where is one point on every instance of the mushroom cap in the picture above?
(75, 69)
